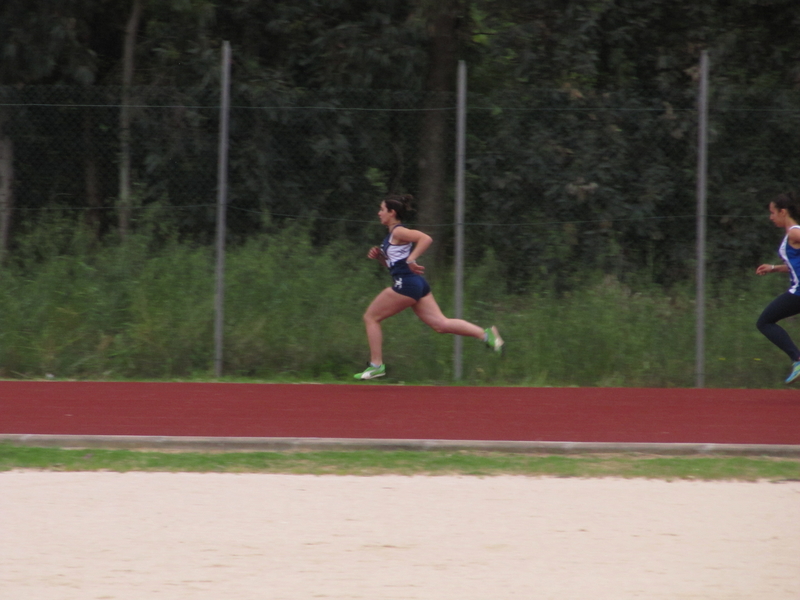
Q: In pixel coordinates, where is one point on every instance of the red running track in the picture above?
(621, 415)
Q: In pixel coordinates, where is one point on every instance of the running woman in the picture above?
(784, 212)
(399, 253)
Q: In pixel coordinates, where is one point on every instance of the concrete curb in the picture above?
(255, 444)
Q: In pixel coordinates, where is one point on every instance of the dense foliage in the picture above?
(582, 122)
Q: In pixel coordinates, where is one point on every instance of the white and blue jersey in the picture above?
(404, 280)
(791, 257)
(396, 255)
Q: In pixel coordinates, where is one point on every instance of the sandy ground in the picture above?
(93, 536)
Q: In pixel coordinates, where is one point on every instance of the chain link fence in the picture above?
(560, 184)
(555, 180)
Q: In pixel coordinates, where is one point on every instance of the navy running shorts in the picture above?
(413, 286)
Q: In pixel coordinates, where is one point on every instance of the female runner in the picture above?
(399, 253)
(784, 212)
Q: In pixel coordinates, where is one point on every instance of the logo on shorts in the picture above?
(398, 283)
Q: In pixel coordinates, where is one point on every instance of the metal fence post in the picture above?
(702, 152)
(222, 195)
(461, 145)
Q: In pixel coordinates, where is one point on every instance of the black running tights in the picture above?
(785, 305)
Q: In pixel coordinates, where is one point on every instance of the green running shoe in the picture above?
(371, 372)
(795, 372)
(493, 339)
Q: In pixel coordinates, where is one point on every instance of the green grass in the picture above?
(142, 310)
(367, 463)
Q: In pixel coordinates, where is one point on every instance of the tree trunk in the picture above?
(433, 155)
(93, 200)
(124, 201)
(6, 191)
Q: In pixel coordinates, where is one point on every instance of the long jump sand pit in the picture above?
(128, 536)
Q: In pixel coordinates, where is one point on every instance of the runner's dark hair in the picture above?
(787, 200)
(401, 204)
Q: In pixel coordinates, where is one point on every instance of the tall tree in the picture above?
(39, 43)
(442, 20)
